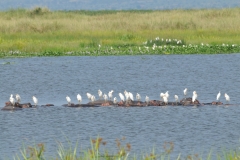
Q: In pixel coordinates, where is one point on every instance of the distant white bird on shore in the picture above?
(176, 98)
(227, 97)
(79, 98)
(35, 100)
(121, 96)
(110, 94)
(18, 98)
(185, 92)
(218, 96)
(12, 100)
(100, 94)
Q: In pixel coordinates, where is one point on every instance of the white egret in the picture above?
(92, 98)
(105, 97)
(79, 98)
(35, 100)
(147, 99)
(131, 96)
(218, 96)
(126, 95)
(167, 95)
(185, 92)
(110, 94)
(121, 96)
(18, 98)
(68, 100)
(138, 97)
(161, 96)
(194, 97)
(115, 100)
(227, 97)
(89, 96)
(12, 100)
(100, 94)
(176, 98)
(165, 99)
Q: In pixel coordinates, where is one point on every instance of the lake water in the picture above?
(119, 5)
(51, 79)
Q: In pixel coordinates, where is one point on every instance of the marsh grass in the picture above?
(98, 151)
(41, 30)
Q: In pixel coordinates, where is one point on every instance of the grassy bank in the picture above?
(42, 32)
(98, 151)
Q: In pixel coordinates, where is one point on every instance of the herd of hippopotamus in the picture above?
(126, 101)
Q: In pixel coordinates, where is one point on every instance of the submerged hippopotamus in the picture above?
(16, 106)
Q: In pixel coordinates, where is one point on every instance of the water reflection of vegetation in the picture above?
(98, 150)
(41, 32)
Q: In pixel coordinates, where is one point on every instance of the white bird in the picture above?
(176, 98)
(185, 92)
(92, 98)
(227, 97)
(138, 97)
(194, 97)
(100, 94)
(161, 96)
(121, 96)
(165, 99)
(131, 96)
(18, 98)
(79, 98)
(115, 100)
(218, 96)
(89, 96)
(35, 100)
(147, 99)
(110, 94)
(68, 100)
(167, 95)
(105, 97)
(12, 100)
(126, 95)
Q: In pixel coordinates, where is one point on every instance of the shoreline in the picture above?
(41, 32)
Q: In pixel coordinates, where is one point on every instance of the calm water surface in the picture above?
(191, 129)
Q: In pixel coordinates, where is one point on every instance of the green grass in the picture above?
(99, 151)
(40, 30)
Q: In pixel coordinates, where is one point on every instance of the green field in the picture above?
(41, 32)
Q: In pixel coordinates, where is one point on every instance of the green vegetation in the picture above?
(98, 151)
(41, 32)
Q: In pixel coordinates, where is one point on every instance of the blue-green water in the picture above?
(51, 79)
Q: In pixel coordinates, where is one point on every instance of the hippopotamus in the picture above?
(16, 106)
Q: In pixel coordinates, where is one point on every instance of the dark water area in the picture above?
(51, 79)
(119, 5)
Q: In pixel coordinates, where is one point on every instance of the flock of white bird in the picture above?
(18, 99)
(128, 96)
